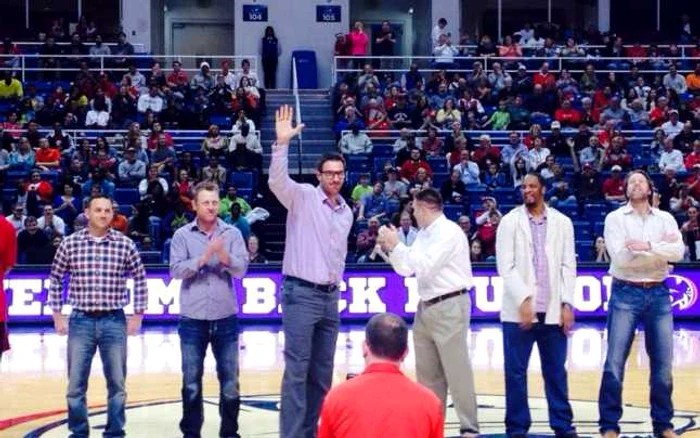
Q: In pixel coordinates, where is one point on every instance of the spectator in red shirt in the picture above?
(659, 114)
(693, 181)
(566, 115)
(601, 98)
(693, 158)
(8, 259)
(487, 234)
(156, 132)
(432, 145)
(382, 400)
(409, 169)
(544, 78)
(110, 90)
(486, 154)
(614, 187)
(47, 157)
(42, 187)
(616, 155)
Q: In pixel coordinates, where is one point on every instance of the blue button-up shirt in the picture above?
(207, 293)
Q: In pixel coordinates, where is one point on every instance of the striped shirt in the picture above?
(539, 260)
(98, 269)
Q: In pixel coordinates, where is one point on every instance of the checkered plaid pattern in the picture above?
(98, 270)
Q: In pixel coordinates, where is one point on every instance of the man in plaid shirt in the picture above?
(98, 259)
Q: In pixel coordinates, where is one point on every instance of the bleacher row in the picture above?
(588, 218)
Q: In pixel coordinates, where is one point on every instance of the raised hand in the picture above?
(283, 125)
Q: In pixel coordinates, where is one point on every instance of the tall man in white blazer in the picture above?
(537, 262)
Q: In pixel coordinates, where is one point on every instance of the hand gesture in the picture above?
(133, 325)
(567, 318)
(60, 324)
(283, 125)
(388, 237)
(527, 314)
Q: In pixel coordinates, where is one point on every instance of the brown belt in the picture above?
(443, 297)
(642, 284)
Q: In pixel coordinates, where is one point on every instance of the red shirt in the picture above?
(358, 43)
(569, 117)
(481, 155)
(153, 141)
(8, 259)
(378, 403)
(657, 116)
(48, 155)
(410, 168)
(547, 81)
(487, 235)
(690, 160)
(179, 78)
(614, 187)
(695, 191)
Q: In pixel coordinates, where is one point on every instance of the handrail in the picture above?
(102, 62)
(341, 64)
(114, 134)
(141, 46)
(295, 92)
(682, 47)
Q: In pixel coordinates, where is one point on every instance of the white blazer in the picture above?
(514, 259)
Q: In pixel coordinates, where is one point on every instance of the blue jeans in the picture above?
(627, 307)
(517, 347)
(195, 336)
(310, 322)
(87, 334)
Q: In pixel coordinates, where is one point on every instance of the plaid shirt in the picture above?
(98, 271)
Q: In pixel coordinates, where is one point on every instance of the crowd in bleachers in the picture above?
(55, 152)
(474, 133)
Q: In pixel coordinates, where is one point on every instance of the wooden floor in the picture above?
(32, 382)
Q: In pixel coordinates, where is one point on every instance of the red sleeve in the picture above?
(325, 427)
(9, 239)
(438, 423)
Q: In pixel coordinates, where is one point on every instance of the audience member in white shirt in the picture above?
(51, 222)
(673, 127)
(150, 101)
(407, 232)
(671, 158)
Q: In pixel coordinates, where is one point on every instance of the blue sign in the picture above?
(328, 14)
(255, 13)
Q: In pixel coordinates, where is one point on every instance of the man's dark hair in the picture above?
(330, 156)
(431, 197)
(100, 196)
(540, 178)
(442, 21)
(387, 336)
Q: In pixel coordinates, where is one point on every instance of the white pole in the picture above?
(500, 19)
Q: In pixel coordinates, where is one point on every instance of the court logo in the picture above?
(684, 293)
(259, 417)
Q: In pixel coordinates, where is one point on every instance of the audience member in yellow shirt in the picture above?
(10, 88)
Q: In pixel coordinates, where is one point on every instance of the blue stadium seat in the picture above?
(582, 230)
(191, 147)
(598, 228)
(379, 162)
(223, 122)
(382, 150)
(243, 180)
(438, 164)
(504, 195)
(595, 212)
(439, 179)
(151, 257)
(584, 251)
(453, 212)
(126, 196)
(358, 163)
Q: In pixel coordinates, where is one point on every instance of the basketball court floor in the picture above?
(33, 382)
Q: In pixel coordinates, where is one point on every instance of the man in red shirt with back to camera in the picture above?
(8, 258)
(382, 401)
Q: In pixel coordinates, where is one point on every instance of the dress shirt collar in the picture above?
(382, 367)
(218, 229)
(326, 200)
(533, 219)
(430, 227)
(112, 234)
(627, 209)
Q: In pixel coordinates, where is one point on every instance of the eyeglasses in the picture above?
(331, 174)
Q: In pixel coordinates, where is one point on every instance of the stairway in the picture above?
(318, 135)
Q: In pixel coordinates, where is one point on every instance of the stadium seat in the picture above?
(151, 257)
(584, 251)
(243, 180)
(595, 212)
(126, 196)
(358, 163)
(438, 164)
(383, 151)
(453, 212)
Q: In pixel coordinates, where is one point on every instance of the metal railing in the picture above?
(138, 47)
(684, 48)
(343, 65)
(36, 63)
(297, 110)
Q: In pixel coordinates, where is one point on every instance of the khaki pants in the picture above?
(442, 356)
